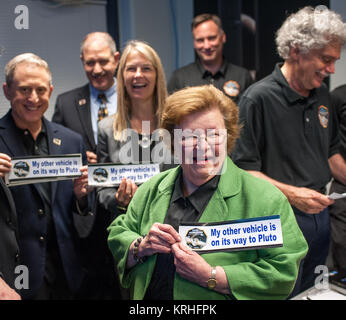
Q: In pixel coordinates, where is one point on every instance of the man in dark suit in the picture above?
(47, 213)
(9, 251)
(81, 108)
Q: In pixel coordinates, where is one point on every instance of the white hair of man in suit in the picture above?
(102, 35)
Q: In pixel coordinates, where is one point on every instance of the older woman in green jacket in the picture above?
(207, 187)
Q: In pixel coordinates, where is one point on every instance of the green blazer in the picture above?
(268, 273)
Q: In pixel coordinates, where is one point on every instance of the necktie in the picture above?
(103, 111)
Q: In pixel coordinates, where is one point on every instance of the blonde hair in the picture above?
(124, 104)
(190, 100)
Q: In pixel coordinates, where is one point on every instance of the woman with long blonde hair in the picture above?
(126, 137)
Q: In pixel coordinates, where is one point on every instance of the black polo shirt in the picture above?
(287, 136)
(40, 147)
(338, 100)
(181, 209)
(231, 79)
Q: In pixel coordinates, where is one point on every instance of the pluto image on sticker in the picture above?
(100, 175)
(196, 238)
(21, 169)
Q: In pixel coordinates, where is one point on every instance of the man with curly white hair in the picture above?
(289, 134)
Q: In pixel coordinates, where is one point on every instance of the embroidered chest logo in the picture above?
(231, 88)
(323, 115)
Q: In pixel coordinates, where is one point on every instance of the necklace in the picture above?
(144, 137)
(144, 140)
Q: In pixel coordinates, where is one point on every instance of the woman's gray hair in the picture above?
(310, 28)
(29, 58)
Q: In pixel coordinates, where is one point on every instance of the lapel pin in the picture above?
(82, 102)
(57, 141)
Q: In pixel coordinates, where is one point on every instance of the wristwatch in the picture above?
(135, 250)
(211, 283)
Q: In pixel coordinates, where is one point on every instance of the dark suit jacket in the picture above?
(32, 225)
(72, 110)
(9, 250)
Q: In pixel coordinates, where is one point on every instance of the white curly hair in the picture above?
(310, 28)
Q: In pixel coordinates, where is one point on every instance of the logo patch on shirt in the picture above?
(231, 88)
(323, 115)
